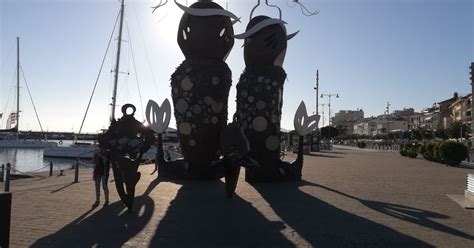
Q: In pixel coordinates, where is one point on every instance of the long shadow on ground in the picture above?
(413, 215)
(111, 226)
(322, 155)
(324, 225)
(202, 216)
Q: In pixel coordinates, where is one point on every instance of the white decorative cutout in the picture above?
(304, 125)
(158, 117)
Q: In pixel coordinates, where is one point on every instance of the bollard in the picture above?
(5, 216)
(7, 179)
(76, 171)
(51, 168)
(2, 173)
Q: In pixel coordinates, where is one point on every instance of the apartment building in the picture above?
(461, 109)
(347, 119)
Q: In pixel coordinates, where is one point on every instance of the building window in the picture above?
(468, 113)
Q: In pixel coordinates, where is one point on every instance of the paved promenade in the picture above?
(348, 198)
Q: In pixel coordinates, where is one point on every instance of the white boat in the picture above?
(26, 144)
(9, 138)
(87, 151)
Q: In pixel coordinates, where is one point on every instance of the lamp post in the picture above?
(329, 104)
(388, 117)
(316, 88)
(329, 107)
(471, 72)
(322, 112)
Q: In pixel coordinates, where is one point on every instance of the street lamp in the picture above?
(317, 90)
(329, 104)
(322, 112)
(471, 72)
(329, 107)
(317, 133)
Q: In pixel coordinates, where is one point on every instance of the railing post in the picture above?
(51, 168)
(7, 179)
(2, 173)
(76, 172)
(5, 216)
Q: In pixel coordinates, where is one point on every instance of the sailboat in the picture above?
(86, 151)
(9, 138)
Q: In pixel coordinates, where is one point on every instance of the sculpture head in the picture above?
(205, 31)
(265, 41)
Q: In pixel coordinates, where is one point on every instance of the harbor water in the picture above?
(24, 160)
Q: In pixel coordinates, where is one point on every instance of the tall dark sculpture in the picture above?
(126, 139)
(200, 87)
(260, 99)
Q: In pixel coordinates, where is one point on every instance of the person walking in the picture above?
(101, 173)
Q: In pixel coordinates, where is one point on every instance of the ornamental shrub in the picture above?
(403, 150)
(412, 152)
(453, 153)
(409, 150)
(423, 148)
(361, 144)
(436, 153)
(427, 151)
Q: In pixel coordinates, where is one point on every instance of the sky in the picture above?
(411, 53)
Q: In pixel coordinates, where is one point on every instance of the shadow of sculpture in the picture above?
(324, 225)
(111, 226)
(413, 215)
(322, 155)
(199, 216)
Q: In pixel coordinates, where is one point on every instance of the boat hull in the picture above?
(86, 152)
(82, 152)
(26, 144)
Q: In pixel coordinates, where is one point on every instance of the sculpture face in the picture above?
(205, 36)
(267, 46)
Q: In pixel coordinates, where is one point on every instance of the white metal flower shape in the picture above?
(304, 125)
(158, 117)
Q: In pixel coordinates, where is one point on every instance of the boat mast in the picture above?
(17, 86)
(117, 63)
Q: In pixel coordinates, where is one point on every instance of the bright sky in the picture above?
(411, 53)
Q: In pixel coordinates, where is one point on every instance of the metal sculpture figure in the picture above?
(200, 89)
(201, 84)
(260, 98)
(127, 140)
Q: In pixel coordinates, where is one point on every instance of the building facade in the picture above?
(445, 112)
(347, 118)
(461, 110)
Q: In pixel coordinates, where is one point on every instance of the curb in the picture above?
(466, 164)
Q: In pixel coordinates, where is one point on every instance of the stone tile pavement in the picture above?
(348, 198)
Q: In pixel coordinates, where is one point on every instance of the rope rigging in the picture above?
(146, 50)
(98, 75)
(10, 94)
(31, 98)
(135, 69)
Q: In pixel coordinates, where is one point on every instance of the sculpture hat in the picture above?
(216, 10)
